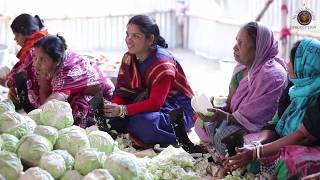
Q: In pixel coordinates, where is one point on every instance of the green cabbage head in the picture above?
(48, 132)
(31, 147)
(99, 174)
(57, 114)
(16, 124)
(53, 163)
(35, 115)
(72, 175)
(6, 105)
(10, 165)
(87, 160)
(68, 159)
(101, 141)
(35, 173)
(126, 166)
(9, 142)
(72, 139)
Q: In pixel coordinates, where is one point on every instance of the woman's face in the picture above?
(290, 70)
(136, 41)
(45, 65)
(20, 38)
(244, 51)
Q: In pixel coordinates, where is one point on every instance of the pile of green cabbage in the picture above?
(45, 145)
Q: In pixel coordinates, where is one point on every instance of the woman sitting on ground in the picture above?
(27, 30)
(297, 152)
(258, 81)
(67, 76)
(150, 84)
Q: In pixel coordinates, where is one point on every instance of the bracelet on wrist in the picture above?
(258, 152)
(228, 118)
(254, 153)
(123, 111)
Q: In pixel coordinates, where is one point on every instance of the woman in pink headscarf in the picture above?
(257, 84)
(67, 76)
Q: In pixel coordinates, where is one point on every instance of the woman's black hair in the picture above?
(293, 52)
(53, 45)
(252, 28)
(26, 24)
(148, 27)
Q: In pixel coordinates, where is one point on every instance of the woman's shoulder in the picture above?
(314, 106)
(71, 59)
(273, 68)
(161, 53)
(311, 118)
(72, 56)
(30, 57)
(317, 103)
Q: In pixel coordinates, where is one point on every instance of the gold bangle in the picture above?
(123, 111)
(254, 153)
(258, 151)
(228, 120)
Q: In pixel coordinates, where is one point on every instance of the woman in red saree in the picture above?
(150, 84)
(27, 30)
(67, 76)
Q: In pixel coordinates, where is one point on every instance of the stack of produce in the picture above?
(45, 145)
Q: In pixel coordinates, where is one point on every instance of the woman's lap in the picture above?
(151, 127)
(221, 134)
(295, 160)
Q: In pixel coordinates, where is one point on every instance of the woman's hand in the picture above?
(218, 114)
(111, 109)
(3, 82)
(4, 72)
(243, 157)
(12, 94)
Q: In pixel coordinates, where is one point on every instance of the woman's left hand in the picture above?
(111, 109)
(218, 115)
(243, 157)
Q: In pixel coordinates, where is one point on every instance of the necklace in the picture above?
(140, 60)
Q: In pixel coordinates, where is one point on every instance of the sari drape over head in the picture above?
(306, 88)
(255, 100)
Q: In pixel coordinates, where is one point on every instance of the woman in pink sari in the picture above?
(257, 84)
(66, 76)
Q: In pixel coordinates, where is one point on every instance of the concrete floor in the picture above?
(208, 76)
